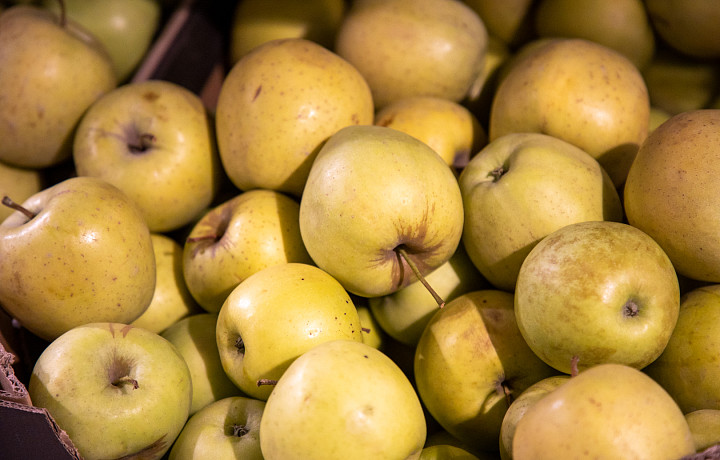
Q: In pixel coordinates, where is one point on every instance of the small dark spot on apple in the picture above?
(366, 357)
(257, 92)
(151, 96)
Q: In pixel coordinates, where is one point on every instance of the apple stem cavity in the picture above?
(497, 173)
(630, 309)
(574, 365)
(262, 382)
(11, 204)
(403, 253)
(144, 142)
(240, 345)
(239, 430)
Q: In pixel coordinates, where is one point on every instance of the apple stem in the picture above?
(126, 379)
(403, 253)
(574, 366)
(11, 204)
(145, 141)
(365, 330)
(262, 382)
(63, 15)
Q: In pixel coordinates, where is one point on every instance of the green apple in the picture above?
(376, 200)
(705, 427)
(622, 25)
(50, 73)
(256, 22)
(194, 338)
(690, 27)
(244, 234)
(447, 127)
(275, 315)
(418, 47)
(446, 452)
(372, 333)
(607, 411)
(678, 83)
(480, 95)
(228, 428)
(520, 405)
(117, 390)
(522, 187)
(606, 290)
(18, 183)
(687, 368)
(671, 191)
(509, 20)
(343, 399)
(171, 299)
(126, 28)
(404, 314)
(658, 116)
(154, 141)
(471, 362)
(83, 253)
(581, 92)
(277, 106)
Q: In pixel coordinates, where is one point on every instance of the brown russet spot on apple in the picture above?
(257, 93)
(151, 96)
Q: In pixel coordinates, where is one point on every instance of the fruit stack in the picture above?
(360, 229)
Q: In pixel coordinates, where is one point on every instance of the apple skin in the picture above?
(689, 27)
(687, 367)
(125, 28)
(194, 338)
(275, 315)
(705, 427)
(606, 290)
(49, 76)
(85, 378)
(418, 47)
(446, 452)
(259, 21)
(211, 432)
(623, 414)
(244, 234)
(174, 175)
(474, 347)
(343, 399)
(520, 405)
(371, 190)
(672, 183)
(171, 299)
(276, 107)
(520, 188)
(581, 92)
(86, 256)
(19, 184)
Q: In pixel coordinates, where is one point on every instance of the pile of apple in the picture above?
(408, 229)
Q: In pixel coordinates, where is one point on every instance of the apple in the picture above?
(171, 299)
(687, 367)
(522, 187)
(377, 203)
(689, 27)
(446, 126)
(276, 107)
(622, 25)
(581, 92)
(117, 390)
(671, 191)
(471, 362)
(50, 72)
(153, 140)
(510, 20)
(372, 333)
(256, 22)
(194, 338)
(78, 252)
(480, 95)
(275, 315)
(446, 452)
(606, 290)
(242, 235)
(607, 411)
(228, 428)
(343, 399)
(404, 314)
(418, 47)
(520, 405)
(125, 28)
(705, 428)
(20, 184)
